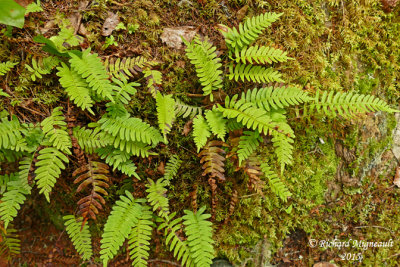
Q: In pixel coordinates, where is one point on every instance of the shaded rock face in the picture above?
(396, 138)
(221, 263)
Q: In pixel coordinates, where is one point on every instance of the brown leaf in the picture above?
(396, 180)
(161, 167)
(172, 36)
(109, 24)
(187, 128)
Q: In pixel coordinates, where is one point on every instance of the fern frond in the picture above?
(283, 149)
(201, 131)
(253, 73)
(76, 87)
(90, 67)
(94, 174)
(10, 132)
(4, 179)
(10, 244)
(54, 128)
(217, 123)
(253, 171)
(199, 233)
(122, 93)
(10, 155)
(202, 55)
(211, 160)
(6, 67)
(130, 129)
(79, 236)
(90, 139)
(42, 66)
(248, 143)
(156, 196)
(154, 79)
(139, 237)
(132, 147)
(25, 166)
(124, 216)
(347, 104)
(251, 116)
(118, 159)
(128, 66)
(165, 113)
(171, 168)
(277, 186)
(260, 55)
(233, 124)
(275, 98)
(248, 31)
(13, 198)
(185, 110)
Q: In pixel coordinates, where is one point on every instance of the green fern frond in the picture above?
(122, 93)
(24, 169)
(283, 149)
(251, 116)
(171, 168)
(10, 132)
(48, 169)
(10, 244)
(42, 66)
(139, 237)
(180, 248)
(275, 98)
(233, 124)
(248, 143)
(6, 67)
(277, 186)
(118, 159)
(130, 129)
(254, 73)
(347, 104)
(4, 179)
(76, 87)
(10, 155)
(217, 123)
(156, 196)
(128, 66)
(90, 139)
(249, 30)
(165, 113)
(154, 79)
(202, 55)
(54, 128)
(12, 199)
(199, 233)
(260, 55)
(124, 216)
(90, 67)
(138, 149)
(79, 236)
(201, 131)
(185, 110)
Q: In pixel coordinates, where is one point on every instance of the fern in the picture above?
(90, 67)
(277, 186)
(347, 104)
(283, 149)
(90, 139)
(48, 169)
(132, 147)
(274, 98)
(217, 123)
(248, 143)
(257, 74)
(6, 67)
(156, 196)
(165, 113)
(260, 55)
(154, 78)
(124, 216)
(42, 66)
(10, 133)
(128, 66)
(185, 110)
(199, 232)
(54, 129)
(118, 159)
(76, 87)
(10, 155)
(4, 179)
(122, 93)
(171, 168)
(248, 31)
(201, 131)
(139, 238)
(79, 236)
(202, 55)
(10, 244)
(212, 161)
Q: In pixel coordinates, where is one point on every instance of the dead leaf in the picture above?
(324, 264)
(109, 24)
(187, 128)
(396, 180)
(172, 36)
(242, 12)
(161, 168)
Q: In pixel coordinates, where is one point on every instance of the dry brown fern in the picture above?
(212, 161)
(253, 171)
(232, 205)
(213, 185)
(94, 174)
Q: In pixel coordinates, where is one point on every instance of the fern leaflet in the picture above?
(10, 133)
(217, 123)
(54, 129)
(248, 143)
(277, 186)
(10, 244)
(79, 236)
(260, 55)
(254, 73)
(185, 110)
(6, 67)
(171, 168)
(89, 139)
(118, 159)
(165, 113)
(201, 131)
(156, 196)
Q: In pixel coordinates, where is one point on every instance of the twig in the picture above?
(165, 261)
(375, 226)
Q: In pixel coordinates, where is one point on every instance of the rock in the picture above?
(324, 264)
(221, 263)
(396, 138)
(172, 36)
(109, 24)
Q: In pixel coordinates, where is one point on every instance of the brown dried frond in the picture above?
(193, 196)
(253, 171)
(94, 174)
(71, 123)
(232, 205)
(213, 185)
(213, 162)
